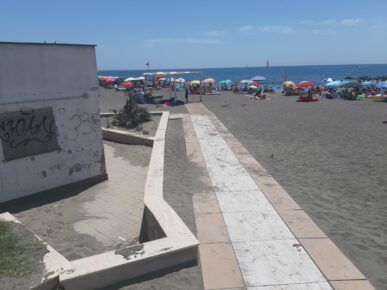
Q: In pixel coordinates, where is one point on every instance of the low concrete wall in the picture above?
(125, 137)
(150, 228)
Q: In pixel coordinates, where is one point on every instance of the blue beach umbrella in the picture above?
(382, 85)
(333, 84)
(367, 84)
(258, 78)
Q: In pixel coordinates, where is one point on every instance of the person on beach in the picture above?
(186, 94)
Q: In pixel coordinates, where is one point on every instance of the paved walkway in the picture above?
(96, 219)
(253, 235)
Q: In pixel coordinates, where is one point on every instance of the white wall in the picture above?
(63, 77)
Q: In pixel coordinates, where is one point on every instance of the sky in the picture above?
(206, 33)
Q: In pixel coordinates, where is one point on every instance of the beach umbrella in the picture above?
(225, 82)
(162, 79)
(333, 84)
(368, 84)
(245, 81)
(195, 82)
(349, 84)
(140, 78)
(110, 80)
(258, 78)
(180, 80)
(382, 85)
(129, 79)
(257, 84)
(127, 84)
(306, 84)
(253, 87)
(208, 81)
(288, 84)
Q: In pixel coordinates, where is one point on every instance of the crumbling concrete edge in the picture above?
(55, 264)
(121, 136)
(177, 246)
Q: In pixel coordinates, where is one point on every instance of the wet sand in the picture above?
(331, 157)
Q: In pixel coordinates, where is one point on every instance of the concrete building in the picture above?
(50, 132)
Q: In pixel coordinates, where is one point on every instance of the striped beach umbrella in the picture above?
(208, 81)
(306, 84)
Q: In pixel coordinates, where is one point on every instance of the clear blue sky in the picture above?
(211, 33)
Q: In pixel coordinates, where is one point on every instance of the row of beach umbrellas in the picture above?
(336, 84)
(206, 81)
(303, 84)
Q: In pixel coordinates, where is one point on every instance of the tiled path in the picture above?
(114, 215)
(96, 219)
(253, 235)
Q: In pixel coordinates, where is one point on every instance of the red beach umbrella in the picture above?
(306, 84)
(127, 84)
(257, 84)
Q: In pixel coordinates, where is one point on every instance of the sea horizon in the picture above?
(274, 74)
(229, 67)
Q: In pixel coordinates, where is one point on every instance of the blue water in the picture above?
(276, 74)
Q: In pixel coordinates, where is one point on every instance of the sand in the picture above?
(331, 157)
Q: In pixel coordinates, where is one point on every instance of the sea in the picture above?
(275, 75)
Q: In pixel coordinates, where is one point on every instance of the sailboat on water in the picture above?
(267, 64)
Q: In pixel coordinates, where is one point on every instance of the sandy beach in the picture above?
(331, 158)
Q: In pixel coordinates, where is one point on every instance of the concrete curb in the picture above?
(121, 136)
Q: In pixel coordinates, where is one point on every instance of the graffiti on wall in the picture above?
(84, 128)
(28, 132)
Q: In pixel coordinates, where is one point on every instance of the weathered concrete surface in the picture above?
(94, 219)
(63, 78)
(125, 137)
